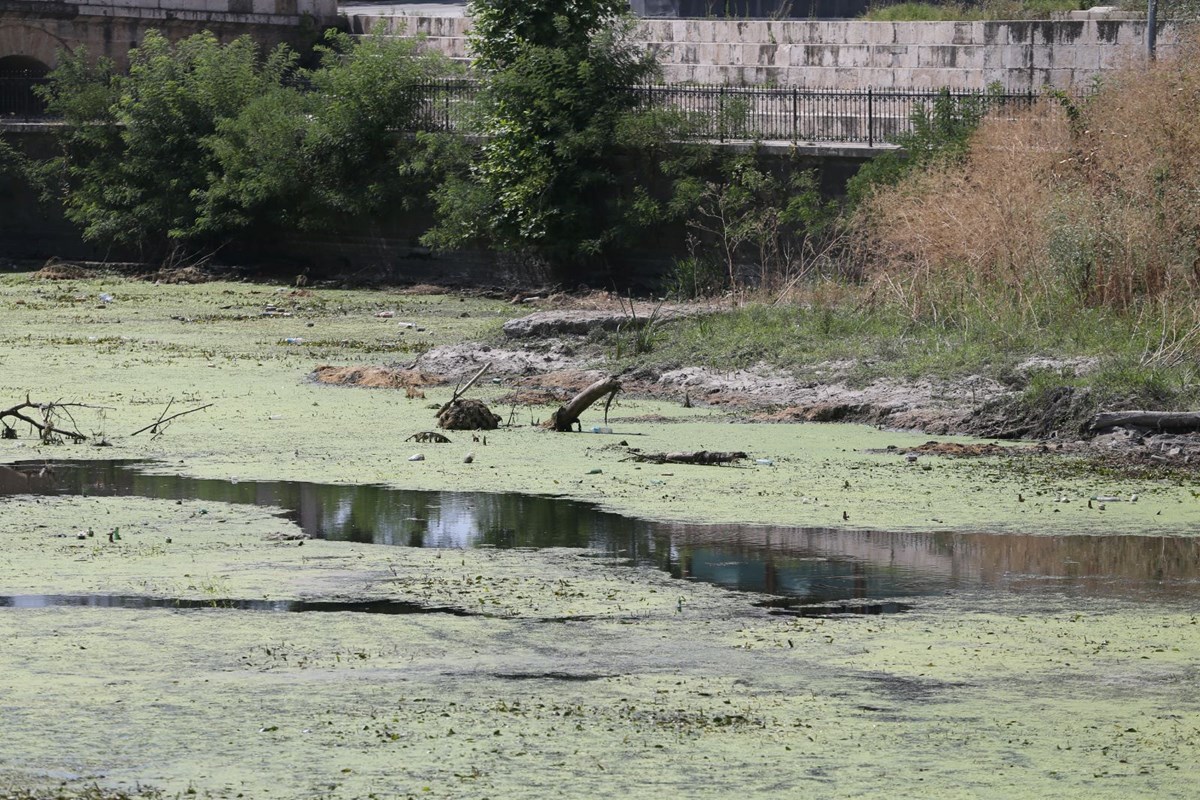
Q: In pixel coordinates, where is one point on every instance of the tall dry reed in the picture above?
(1049, 212)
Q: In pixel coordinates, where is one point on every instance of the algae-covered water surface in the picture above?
(223, 610)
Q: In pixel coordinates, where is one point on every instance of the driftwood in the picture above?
(46, 428)
(567, 416)
(1164, 421)
(707, 457)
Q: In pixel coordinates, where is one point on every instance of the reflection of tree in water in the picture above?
(818, 563)
(528, 521)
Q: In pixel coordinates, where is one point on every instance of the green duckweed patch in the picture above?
(1099, 702)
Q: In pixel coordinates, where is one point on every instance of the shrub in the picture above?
(986, 10)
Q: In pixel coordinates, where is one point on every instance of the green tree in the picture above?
(559, 83)
(749, 224)
(12, 163)
(371, 94)
(202, 141)
(135, 152)
(341, 151)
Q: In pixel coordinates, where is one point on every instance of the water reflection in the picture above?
(815, 565)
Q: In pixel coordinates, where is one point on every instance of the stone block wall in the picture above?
(855, 54)
(250, 10)
(39, 29)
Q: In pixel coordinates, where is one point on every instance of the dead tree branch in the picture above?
(47, 429)
(567, 416)
(161, 422)
(459, 392)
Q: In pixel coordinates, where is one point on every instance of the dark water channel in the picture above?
(856, 571)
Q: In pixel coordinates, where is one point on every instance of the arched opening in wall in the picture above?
(19, 78)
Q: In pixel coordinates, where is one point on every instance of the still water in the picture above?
(802, 566)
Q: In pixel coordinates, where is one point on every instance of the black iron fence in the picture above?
(731, 113)
(444, 105)
(866, 116)
(18, 99)
(717, 113)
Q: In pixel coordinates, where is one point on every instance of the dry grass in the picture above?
(1139, 161)
(1045, 213)
(958, 232)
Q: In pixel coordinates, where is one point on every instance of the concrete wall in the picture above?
(40, 28)
(854, 54)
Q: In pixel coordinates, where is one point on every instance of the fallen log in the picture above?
(706, 457)
(567, 416)
(1164, 421)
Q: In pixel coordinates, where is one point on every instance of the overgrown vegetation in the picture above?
(200, 141)
(962, 12)
(941, 134)
(1045, 213)
(1056, 249)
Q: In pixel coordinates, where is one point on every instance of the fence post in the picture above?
(795, 114)
(870, 117)
(721, 111)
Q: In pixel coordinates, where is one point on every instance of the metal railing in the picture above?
(732, 113)
(714, 113)
(834, 116)
(18, 99)
(443, 106)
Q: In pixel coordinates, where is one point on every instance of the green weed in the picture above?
(987, 10)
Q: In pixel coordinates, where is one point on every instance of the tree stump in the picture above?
(467, 415)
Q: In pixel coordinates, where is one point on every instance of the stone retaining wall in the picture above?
(39, 29)
(854, 54)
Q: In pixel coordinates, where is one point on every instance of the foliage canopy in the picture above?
(559, 85)
(201, 141)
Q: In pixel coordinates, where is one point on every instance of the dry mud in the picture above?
(560, 674)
